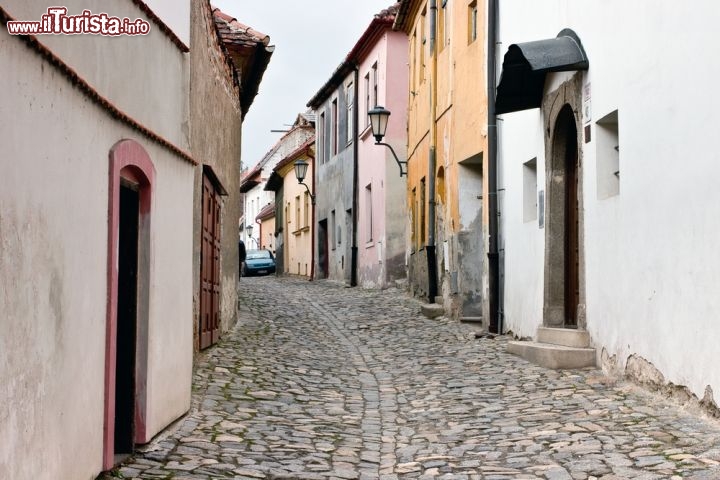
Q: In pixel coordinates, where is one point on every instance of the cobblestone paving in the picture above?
(318, 381)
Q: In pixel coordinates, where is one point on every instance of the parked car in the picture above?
(258, 262)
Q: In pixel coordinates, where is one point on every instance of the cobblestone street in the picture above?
(318, 381)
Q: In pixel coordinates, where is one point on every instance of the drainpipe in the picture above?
(432, 160)
(354, 251)
(312, 217)
(493, 256)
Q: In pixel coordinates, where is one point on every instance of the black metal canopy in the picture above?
(525, 65)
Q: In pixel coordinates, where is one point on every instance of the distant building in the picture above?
(294, 221)
(360, 212)
(254, 180)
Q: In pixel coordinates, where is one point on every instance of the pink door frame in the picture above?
(128, 160)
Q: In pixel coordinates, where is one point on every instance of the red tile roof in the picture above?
(249, 52)
(268, 211)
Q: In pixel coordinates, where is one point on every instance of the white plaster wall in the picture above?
(53, 279)
(175, 14)
(147, 77)
(171, 285)
(523, 241)
(651, 262)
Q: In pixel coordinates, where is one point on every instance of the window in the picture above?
(423, 239)
(472, 21)
(368, 105)
(442, 26)
(297, 213)
(421, 46)
(321, 139)
(333, 227)
(369, 212)
(608, 156)
(306, 211)
(413, 220)
(350, 102)
(530, 210)
(374, 98)
(413, 56)
(334, 133)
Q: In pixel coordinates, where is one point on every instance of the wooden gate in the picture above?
(210, 266)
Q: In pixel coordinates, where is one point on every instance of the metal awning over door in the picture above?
(525, 66)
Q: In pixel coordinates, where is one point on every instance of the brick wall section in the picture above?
(215, 139)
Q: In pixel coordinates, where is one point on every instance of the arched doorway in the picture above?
(562, 278)
(130, 197)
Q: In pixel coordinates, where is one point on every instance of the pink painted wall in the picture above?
(381, 260)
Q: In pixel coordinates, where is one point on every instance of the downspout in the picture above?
(493, 256)
(354, 251)
(312, 217)
(432, 161)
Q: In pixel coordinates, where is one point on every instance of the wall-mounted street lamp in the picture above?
(249, 230)
(378, 122)
(301, 167)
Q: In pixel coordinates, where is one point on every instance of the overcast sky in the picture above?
(311, 38)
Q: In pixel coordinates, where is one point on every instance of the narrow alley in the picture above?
(318, 381)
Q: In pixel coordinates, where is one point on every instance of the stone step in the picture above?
(439, 300)
(432, 310)
(473, 320)
(553, 356)
(567, 337)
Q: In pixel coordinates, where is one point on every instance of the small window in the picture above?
(369, 213)
(421, 206)
(368, 105)
(350, 102)
(608, 156)
(413, 225)
(442, 26)
(530, 210)
(297, 213)
(334, 133)
(321, 139)
(374, 98)
(421, 46)
(306, 210)
(333, 231)
(472, 21)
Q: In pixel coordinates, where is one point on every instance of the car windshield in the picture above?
(255, 254)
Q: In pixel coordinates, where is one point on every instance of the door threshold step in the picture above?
(557, 357)
(568, 337)
(432, 310)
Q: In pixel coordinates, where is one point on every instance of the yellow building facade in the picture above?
(448, 114)
(294, 214)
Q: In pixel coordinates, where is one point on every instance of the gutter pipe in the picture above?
(354, 249)
(493, 255)
(432, 161)
(312, 219)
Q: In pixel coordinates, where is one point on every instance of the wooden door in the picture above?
(572, 219)
(210, 266)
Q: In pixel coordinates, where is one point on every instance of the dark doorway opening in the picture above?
(323, 248)
(126, 319)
